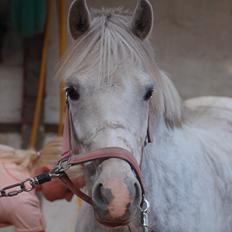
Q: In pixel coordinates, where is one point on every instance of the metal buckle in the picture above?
(145, 210)
(62, 165)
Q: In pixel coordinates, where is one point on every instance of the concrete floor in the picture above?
(60, 216)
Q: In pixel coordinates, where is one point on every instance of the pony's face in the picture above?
(114, 115)
(111, 113)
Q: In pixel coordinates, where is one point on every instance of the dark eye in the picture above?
(148, 95)
(72, 93)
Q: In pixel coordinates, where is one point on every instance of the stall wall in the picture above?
(192, 44)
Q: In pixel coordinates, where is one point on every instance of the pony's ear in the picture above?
(142, 21)
(78, 18)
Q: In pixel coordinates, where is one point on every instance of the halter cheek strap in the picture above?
(67, 131)
(149, 124)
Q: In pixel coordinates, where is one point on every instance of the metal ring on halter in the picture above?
(61, 166)
(145, 206)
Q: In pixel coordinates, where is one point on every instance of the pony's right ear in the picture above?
(78, 18)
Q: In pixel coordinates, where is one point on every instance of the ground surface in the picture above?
(59, 216)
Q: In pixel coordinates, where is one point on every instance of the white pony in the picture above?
(110, 75)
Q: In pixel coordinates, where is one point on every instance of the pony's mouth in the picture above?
(112, 223)
(103, 217)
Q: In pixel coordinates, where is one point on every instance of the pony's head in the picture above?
(110, 76)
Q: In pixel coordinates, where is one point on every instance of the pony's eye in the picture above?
(72, 93)
(148, 95)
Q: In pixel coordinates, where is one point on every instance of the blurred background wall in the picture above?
(191, 39)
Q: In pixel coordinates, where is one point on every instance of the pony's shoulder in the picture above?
(212, 111)
(209, 101)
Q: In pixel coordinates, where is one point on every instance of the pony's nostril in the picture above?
(102, 195)
(98, 192)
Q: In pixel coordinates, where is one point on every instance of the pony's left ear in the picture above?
(78, 18)
(142, 20)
